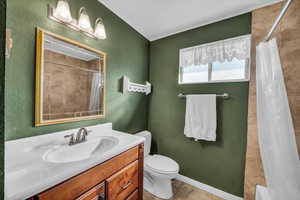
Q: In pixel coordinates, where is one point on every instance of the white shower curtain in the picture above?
(275, 127)
(95, 93)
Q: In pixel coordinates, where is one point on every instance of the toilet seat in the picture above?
(161, 164)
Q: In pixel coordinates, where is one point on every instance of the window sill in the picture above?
(222, 81)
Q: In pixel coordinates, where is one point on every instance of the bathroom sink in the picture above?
(66, 153)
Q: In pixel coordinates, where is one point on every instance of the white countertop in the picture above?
(27, 174)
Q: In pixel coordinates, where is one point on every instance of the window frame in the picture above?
(246, 79)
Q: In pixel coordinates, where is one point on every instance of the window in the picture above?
(235, 70)
(222, 61)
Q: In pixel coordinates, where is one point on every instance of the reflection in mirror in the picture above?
(72, 79)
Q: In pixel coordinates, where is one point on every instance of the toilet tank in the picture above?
(147, 145)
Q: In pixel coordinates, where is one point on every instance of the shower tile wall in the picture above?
(68, 84)
(288, 38)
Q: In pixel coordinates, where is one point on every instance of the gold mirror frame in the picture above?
(40, 34)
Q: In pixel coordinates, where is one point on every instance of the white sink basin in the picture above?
(66, 153)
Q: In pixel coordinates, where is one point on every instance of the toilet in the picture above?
(158, 170)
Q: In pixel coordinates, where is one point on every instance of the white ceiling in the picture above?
(156, 19)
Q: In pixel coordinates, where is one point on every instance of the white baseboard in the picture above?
(208, 188)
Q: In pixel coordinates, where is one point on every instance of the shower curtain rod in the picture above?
(278, 19)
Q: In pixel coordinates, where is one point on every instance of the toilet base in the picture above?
(160, 187)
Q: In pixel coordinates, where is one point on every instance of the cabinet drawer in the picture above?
(81, 183)
(96, 193)
(133, 196)
(123, 183)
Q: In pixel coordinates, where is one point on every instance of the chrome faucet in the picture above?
(81, 136)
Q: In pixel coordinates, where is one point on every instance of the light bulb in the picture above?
(99, 32)
(62, 11)
(84, 21)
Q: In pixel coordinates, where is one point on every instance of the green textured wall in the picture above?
(220, 164)
(2, 82)
(127, 55)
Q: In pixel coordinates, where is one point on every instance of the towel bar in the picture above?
(225, 95)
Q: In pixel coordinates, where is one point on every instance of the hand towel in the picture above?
(201, 117)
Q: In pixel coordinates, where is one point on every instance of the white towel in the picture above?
(201, 117)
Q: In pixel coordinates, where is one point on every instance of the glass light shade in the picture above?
(99, 32)
(84, 22)
(62, 11)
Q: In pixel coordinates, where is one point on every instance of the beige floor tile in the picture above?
(183, 191)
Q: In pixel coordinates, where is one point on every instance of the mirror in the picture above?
(70, 80)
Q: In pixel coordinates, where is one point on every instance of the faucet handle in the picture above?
(85, 134)
(71, 135)
(72, 139)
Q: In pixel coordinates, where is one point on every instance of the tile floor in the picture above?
(183, 191)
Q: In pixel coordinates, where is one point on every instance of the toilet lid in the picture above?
(161, 163)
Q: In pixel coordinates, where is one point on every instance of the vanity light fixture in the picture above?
(100, 32)
(62, 11)
(84, 23)
(62, 14)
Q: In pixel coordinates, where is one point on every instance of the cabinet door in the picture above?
(123, 183)
(133, 196)
(96, 193)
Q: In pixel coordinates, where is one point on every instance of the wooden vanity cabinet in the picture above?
(120, 178)
(123, 183)
(133, 196)
(96, 193)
